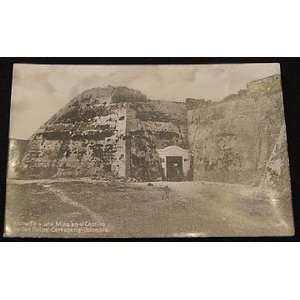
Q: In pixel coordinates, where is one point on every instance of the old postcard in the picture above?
(147, 151)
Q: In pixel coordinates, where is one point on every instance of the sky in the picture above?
(39, 91)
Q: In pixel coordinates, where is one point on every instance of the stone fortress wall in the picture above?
(106, 132)
(117, 132)
(232, 140)
(153, 125)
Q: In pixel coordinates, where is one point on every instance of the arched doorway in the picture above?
(175, 163)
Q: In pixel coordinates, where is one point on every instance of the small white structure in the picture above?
(175, 161)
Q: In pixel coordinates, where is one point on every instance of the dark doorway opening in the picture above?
(174, 168)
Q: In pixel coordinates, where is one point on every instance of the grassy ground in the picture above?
(100, 209)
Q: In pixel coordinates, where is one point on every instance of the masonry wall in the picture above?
(87, 137)
(232, 140)
(153, 125)
(82, 142)
(276, 178)
(115, 132)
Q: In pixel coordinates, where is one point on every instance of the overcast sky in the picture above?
(41, 90)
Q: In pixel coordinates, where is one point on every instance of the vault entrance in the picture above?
(174, 168)
(175, 163)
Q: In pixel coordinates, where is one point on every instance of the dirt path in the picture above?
(65, 199)
(188, 209)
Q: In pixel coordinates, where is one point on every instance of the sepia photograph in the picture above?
(146, 151)
(149, 150)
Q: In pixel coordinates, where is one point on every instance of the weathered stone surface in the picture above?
(107, 132)
(150, 126)
(275, 181)
(116, 132)
(86, 138)
(232, 140)
(276, 174)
